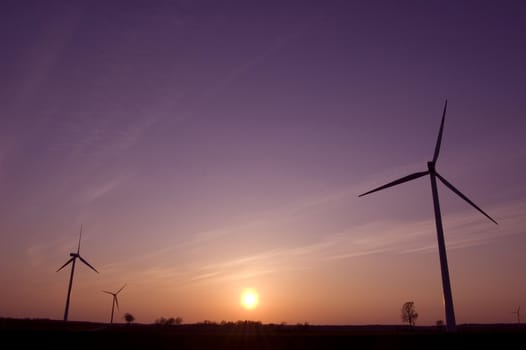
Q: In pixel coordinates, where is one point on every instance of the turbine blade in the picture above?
(80, 237)
(461, 195)
(105, 291)
(397, 182)
(87, 263)
(439, 139)
(67, 262)
(116, 301)
(117, 292)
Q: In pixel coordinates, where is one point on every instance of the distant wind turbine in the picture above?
(518, 313)
(72, 260)
(115, 301)
(433, 174)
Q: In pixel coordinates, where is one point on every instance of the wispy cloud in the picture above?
(240, 70)
(40, 252)
(244, 68)
(264, 262)
(378, 237)
(98, 190)
(3, 158)
(45, 50)
(463, 229)
(240, 268)
(174, 248)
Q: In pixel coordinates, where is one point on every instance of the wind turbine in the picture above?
(518, 313)
(72, 260)
(115, 301)
(433, 175)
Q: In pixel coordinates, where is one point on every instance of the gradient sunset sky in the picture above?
(212, 146)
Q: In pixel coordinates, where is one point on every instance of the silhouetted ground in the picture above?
(84, 335)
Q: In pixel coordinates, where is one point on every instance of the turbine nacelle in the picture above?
(431, 166)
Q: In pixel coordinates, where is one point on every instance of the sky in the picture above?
(211, 146)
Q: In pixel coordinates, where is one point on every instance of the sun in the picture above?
(249, 298)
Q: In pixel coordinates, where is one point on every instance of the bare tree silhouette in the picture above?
(518, 313)
(408, 313)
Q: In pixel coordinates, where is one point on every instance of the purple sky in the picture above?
(211, 146)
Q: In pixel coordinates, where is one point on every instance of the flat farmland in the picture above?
(50, 334)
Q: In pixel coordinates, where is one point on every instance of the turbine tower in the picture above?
(72, 260)
(115, 301)
(433, 175)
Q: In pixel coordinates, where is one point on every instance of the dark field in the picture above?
(50, 334)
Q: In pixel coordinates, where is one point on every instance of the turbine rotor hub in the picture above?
(431, 166)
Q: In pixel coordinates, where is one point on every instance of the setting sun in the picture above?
(249, 299)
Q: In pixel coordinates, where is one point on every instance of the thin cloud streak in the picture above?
(463, 230)
(241, 268)
(246, 67)
(271, 256)
(45, 252)
(102, 189)
(233, 75)
(169, 250)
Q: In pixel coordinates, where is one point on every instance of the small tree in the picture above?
(409, 313)
(178, 320)
(129, 318)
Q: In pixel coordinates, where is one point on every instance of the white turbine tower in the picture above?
(72, 260)
(115, 301)
(433, 175)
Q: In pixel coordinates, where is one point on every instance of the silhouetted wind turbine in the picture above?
(518, 313)
(72, 260)
(115, 301)
(433, 174)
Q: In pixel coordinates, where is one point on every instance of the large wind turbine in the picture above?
(72, 260)
(115, 301)
(433, 174)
